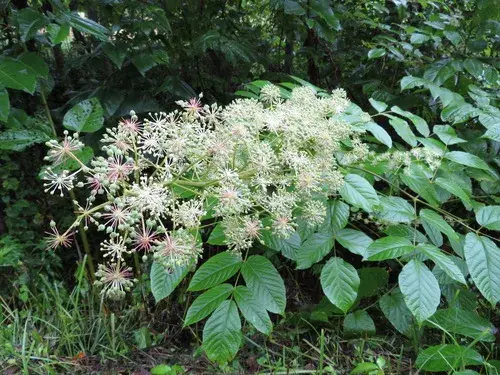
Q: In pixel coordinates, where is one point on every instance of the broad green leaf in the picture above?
(372, 281)
(422, 186)
(58, 33)
(144, 63)
(163, 282)
(215, 270)
(353, 240)
(14, 75)
(389, 247)
(443, 261)
(466, 372)
(358, 192)
(265, 283)
(406, 231)
(293, 7)
(34, 64)
(252, 310)
(458, 112)
(467, 159)
(418, 38)
(359, 324)
(18, 140)
(403, 130)
(217, 236)
(340, 283)
(418, 121)
(364, 368)
(493, 133)
(436, 221)
(489, 217)
(379, 106)
(375, 53)
(474, 67)
(313, 249)
(420, 290)
(447, 134)
(86, 116)
(222, 333)
(395, 210)
(30, 21)
(463, 322)
(433, 233)
(289, 246)
(483, 259)
(116, 52)
(206, 303)
(86, 25)
(337, 216)
(440, 71)
(447, 357)
(4, 105)
(410, 82)
(395, 310)
(453, 188)
(380, 133)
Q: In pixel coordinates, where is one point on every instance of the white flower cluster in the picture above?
(157, 181)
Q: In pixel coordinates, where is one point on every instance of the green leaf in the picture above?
(467, 159)
(379, 133)
(395, 310)
(463, 322)
(14, 75)
(86, 116)
(372, 281)
(252, 310)
(403, 130)
(389, 247)
(443, 261)
(458, 112)
(437, 222)
(57, 33)
(207, 302)
(116, 53)
(364, 368)
(447, 134)
(214, 271)
(217, 236)
(420, 290)
(144, 63)
(474, 67)
(483, 259)
(34, 64)
(410, 82)
(18, 140)
(447, 357)
(395, 210)
(289, 246)
(358, 192)
(163, 282)
(30, 21)
(379, 106)
(359, 324)
(293, 7)
(265, 283)
(453, 188)
(353, 240)
(417, 38)
(4, 105)
(222, 333)
(421, 185)
(340, 283)
(315, 248)
(418, 121)
(87, 26)
(337, 216)
(375, 53)
(489, 217)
